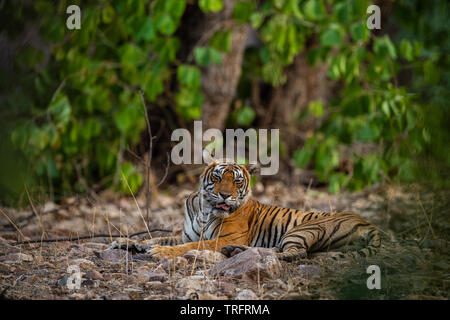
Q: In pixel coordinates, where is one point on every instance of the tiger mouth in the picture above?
(223, 206)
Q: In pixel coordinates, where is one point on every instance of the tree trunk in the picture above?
(305, 83)
(219, 81)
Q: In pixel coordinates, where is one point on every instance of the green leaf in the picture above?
(331, 37)
(245, 116)
(221, 40)
(385, 108)
(242, 11)
(302, 157)
(406, 50)
(316, 108)
(342, 11)
(167, 48)
(147, 31)
(359, 31)
(314, 10)
(60, 109)
(256, 19)
(189, 76)
(108, 14)
(205, 56)
(336, 182)
(384, 46)
(175, 7)
(426, 135)
(130, 178)
(131, 54)
(189, 103)
(210, 5)
(431, 73)
(166, 25)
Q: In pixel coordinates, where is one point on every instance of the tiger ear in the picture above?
(207, 157)
(252, 168)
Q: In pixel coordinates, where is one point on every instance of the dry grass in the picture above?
(414, 263)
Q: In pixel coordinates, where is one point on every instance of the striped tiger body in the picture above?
(222, 217)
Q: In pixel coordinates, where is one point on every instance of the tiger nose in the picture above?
(224, 195)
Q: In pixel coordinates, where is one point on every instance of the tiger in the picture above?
(222, 217)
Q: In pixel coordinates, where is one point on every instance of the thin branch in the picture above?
(165, 173)
(51, 211)
(150, 150)
(101, 235)
(12, 223)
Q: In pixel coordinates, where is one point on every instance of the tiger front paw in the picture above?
(160, 252)
(128, 244)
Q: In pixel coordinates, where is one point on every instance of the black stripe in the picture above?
(269, 237)
(354, 229)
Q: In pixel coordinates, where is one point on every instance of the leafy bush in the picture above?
(79, 107)
(371, 107)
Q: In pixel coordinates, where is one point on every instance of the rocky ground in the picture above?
(414, 263)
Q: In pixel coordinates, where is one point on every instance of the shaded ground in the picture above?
(414, 263)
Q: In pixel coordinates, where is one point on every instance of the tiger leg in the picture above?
(297, 242)
(159, 251)
(370, 238)
(329, 233)
(145, 245)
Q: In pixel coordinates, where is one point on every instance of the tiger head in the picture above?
(225, 186)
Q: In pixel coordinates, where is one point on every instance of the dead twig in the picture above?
(101, 235)
(149, 161)
(51, 211)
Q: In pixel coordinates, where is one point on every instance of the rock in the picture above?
(83, 263)
(252, 264)
(62, 282)
(114, 255)
(120, 296)
(204, 256)
(194, 295)
(16, 258)
(89, 283)
(78, 296)
(96, 245)
(142, 256)
(142, 277)
(158, 297)
(93, 275)
(155, 276)
(197, 283)
(246, 294)
(115, 276)
(159, 269)
(5, 268)
(309, 271)
(178, 263)
(155, 285)
(6, 248)
(275, 284)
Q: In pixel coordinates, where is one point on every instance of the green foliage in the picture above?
(245, 116)
(78, 100)
(371, 108)
(83, 103)
(210, 5)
